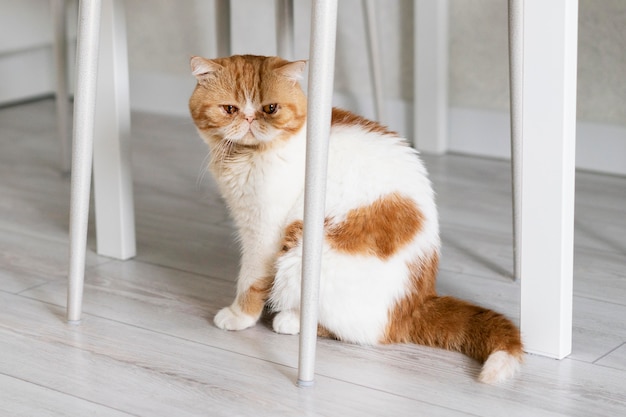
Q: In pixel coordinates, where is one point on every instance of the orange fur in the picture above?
(253, 300)
(380, 229)
(342, 117)
(242, 78)
(293, 235)
(423, 317)
(324, 332)
(247, 104)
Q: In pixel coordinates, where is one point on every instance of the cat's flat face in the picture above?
(247, 100)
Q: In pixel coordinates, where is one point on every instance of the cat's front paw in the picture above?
(228, 319)
(287, 322)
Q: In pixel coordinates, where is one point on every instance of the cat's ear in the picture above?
(201, 67)
(292, 70)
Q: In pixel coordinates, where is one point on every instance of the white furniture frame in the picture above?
(102, 83)
(61, 93)
(543, 51)
(544, 96)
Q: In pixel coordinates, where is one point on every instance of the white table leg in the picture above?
(321, 76)
(84, 109)
(284, 29)
(113, 187)
(431, 76)
(222, 30)
(371, 29)
(61, 96)
(547, 165)
(515, 82)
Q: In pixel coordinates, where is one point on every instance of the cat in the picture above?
(382, 245)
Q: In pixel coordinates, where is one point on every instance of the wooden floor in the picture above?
(147, 345)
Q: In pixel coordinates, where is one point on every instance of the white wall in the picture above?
(164, 33)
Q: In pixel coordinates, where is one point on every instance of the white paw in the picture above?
(228, 319)
(287, 322)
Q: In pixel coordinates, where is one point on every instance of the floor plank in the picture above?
(147, 345)
(19, 398)
(153, 374)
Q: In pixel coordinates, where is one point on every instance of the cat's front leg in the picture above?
(234, 318)
(252, 292)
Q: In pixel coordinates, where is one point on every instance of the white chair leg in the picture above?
(284, 29)
(548, 119)
(222, 29)
(321, 75)
(61, 96)
(84, 109)
(515, 83)
(431, 76)
(371, 29)
(113, 186)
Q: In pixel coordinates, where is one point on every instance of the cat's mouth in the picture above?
(251, 136)
(248, 139)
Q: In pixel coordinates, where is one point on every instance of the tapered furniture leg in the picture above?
(515, 82)
(61, 94)
(222, 30)
(321, 75)
(371, 29)
(284, 29)
(82, 149)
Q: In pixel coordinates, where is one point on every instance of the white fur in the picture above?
(499, 367)
(260, 191)
(232, 318)
(264, 191)
(265, 194)
(356, 294)
(287, 322)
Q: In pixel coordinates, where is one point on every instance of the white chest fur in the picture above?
(261, 188)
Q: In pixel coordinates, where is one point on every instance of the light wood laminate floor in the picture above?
(147, 345)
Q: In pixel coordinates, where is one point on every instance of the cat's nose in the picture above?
(250, 119)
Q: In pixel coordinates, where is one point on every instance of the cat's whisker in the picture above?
(219, 152)
(203, 170)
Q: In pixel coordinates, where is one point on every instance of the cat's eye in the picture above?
(270, 108)
(230, 109)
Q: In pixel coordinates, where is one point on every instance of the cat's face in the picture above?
(247, 100)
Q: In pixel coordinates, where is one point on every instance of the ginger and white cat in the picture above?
(381, 249)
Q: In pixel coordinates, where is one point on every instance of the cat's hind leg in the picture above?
(287, 322)
(285, 294)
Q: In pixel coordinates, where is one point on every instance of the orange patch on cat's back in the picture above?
(380, 229)
(342, 117)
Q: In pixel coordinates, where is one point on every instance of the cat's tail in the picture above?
(453, 324)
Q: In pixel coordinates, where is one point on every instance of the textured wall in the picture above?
(479, 57)
(602, 61)
(163, 33)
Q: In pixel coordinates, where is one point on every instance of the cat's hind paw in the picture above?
(229, 319)
(287, 322)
